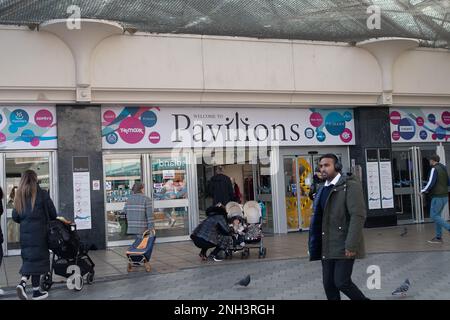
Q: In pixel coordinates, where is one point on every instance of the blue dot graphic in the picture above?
(423, 135)
(112, 138)
(440, 133)
(309, 133)
(432, 118)
(13, 129)
(149, 119)
(321, 136)
(348, 116)
(27, 135)
(335, 123)
(407, 128)
(19, 118)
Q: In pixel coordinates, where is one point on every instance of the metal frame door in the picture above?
(417, 199)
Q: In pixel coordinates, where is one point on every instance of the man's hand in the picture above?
(349, 253)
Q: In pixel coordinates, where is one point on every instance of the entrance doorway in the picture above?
(13, 165)
(411, 172)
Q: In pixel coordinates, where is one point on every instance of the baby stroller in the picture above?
(66, 251)
(251, 216)
(141, 250)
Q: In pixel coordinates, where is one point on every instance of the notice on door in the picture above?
(387, 192)
(81, 193)
(373, 185)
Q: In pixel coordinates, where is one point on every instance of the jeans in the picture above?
(337, 275)
(437, 204)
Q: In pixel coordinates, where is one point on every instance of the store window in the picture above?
(170, 195)
(120, 176)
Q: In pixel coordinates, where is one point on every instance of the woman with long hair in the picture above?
(33, 209)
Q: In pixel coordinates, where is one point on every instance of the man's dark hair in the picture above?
(329, 156)
(435, 157)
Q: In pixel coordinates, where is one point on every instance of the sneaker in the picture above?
(214, 258)
(172, 222)
(39, 295)
(2, 293)
(435, 240)
(21, 292)
(203, 257)
(242, 244)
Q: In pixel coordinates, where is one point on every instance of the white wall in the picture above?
(187, 69)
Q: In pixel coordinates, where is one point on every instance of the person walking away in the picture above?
(33, 209)
(437, 188)
(138, 209)
(336, 231)
(1, 234)
(317, 181)
(220, 188)
(210, 233)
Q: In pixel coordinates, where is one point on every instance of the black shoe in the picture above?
(435, 240)
(21, 292)
(39, 295)
(214, 258)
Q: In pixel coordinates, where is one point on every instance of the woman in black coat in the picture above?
(33, 208)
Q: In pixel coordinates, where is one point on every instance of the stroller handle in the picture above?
(149, 232)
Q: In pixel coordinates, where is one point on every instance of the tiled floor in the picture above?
(170, 257)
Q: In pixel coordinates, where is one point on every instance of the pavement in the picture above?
(286, 273)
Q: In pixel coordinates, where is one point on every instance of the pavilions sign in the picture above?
(166, 127)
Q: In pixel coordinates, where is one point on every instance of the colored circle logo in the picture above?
(395, 135)
(2, 137)
(445, 117)
(348, 116)
(112, 138)
(420, 122)
(1, 118)
(321, 136)
(316, 119)
(43, 118)
(335, 123)
(149, 119)
(27, 135)
(131, 130)
(346, 135)
(19, 118)
(109, 116)
(309, 133)
(440, 133)
(395, 117)
(432, 118)
(423, 135)
(407, 129)
(154, 137)
(35, 141)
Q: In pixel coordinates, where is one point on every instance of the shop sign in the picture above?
(28, 127)
(167, 127)
(419, 124)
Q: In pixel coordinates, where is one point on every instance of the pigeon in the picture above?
(403, 289)
(405, 231)
(243, 282)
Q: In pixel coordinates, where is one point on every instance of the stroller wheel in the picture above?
(262, 253)
(129, 267)
(46, 282)
(148, 267)
(90, 277)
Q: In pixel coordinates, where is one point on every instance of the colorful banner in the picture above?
(27, 127)
(167, 127)
(420, 124)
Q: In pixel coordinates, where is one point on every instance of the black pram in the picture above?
(66, 251)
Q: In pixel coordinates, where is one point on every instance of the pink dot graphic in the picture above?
(131, 130)
(43, 118)
(2, 137)
(154, 137)
(446, 117)
(316, 119)
(395, 117)
(109, 116)
(395, 135)
(346, 135)
(420, 122)
(35, 142)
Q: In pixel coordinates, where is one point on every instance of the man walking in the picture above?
(437, 188)
(336, 230)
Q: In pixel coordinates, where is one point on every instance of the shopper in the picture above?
(437, 188)
(317, 181)
(138, 209)
(1, 234)
(33, 209)
(220, 188)
(336, 231)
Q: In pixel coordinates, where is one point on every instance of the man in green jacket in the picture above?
(336, 231)
(437, 188)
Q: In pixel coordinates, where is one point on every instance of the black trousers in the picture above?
(205, 245)
(1, 254)
(337, 277)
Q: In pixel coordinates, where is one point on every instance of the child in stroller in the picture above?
(238, 228)
(68, 254)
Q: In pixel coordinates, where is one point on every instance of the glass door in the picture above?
(122, 171)
(169, 175)
(263, 192)
(14, 165)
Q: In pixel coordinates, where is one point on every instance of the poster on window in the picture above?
(387, 192)
(373, 185)
(82, 200)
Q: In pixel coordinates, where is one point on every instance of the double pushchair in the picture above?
(69, 256)
(249, 236)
